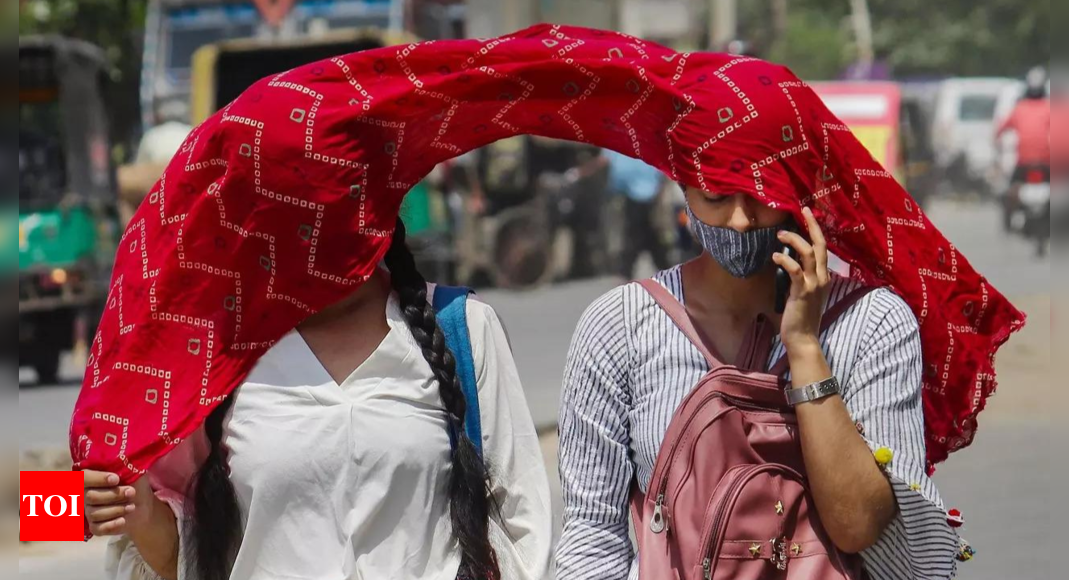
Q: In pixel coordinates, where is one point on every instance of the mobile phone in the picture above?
(783, 281)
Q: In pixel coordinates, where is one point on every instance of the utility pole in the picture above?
(862, 22)
(723, 22)
(779, 25)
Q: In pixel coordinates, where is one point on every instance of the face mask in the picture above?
(742, 254)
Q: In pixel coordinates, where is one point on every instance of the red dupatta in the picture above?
(284, 202)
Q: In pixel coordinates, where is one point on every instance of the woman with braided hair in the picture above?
(334, 459)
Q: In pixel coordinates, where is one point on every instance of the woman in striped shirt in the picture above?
(629, 368)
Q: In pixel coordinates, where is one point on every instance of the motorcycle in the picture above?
(1033, 199)
(508, 248)
(533, 243)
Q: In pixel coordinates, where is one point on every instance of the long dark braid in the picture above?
(216, 524)
(469, 485)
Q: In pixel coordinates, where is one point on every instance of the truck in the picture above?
(176, 29)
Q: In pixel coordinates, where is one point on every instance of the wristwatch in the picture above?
(812, 392)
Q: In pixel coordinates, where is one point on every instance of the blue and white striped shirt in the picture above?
(630, 367)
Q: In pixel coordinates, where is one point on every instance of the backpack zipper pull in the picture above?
(707, 569)
(657, 523)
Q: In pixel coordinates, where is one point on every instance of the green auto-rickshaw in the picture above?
(67, 201)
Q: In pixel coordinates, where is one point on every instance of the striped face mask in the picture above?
(742, 254)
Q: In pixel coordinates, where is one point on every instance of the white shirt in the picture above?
(349, 481)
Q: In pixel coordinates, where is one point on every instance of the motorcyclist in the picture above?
(1030, 120)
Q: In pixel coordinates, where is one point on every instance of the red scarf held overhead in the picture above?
(285, 201)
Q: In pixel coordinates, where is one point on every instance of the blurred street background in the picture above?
(108, 90)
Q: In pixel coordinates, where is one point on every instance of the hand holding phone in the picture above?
(802, 282)
(783, 281)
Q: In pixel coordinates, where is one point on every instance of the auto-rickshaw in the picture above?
(68, 226)
(890, 126)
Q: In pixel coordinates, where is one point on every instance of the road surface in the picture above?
(1002, 483)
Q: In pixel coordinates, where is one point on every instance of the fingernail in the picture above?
(129, 508)
(129, 492)
(113, 479)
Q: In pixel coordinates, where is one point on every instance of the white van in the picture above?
(963, 127)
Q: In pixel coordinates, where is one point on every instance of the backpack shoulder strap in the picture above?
(678, 313)
(831, 316)
(450, 304)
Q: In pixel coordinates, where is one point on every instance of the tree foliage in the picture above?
(918, 37)
(117, 26)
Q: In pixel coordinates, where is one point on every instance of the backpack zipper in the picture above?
(743, 475)
(658, 523)
(719, 522)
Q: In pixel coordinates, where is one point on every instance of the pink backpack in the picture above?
(728, 498)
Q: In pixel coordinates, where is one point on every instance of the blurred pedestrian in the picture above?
(161, 141)
(583, 189)
(642, 186)
(158, 145)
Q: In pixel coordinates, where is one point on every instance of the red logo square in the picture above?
(51, 506)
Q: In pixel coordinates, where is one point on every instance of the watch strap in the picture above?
(813, 391)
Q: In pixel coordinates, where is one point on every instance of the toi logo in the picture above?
(51, 506)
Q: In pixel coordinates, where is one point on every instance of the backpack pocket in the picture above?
(758, 524)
